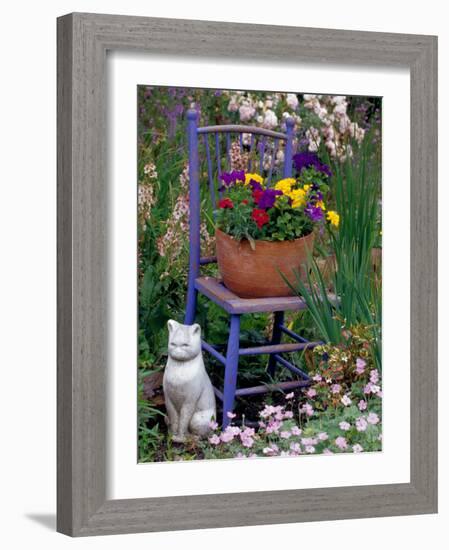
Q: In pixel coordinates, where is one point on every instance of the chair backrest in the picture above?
(259, 146)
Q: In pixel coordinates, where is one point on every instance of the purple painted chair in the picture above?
(213, 288)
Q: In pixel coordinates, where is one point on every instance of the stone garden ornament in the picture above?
(189, 396)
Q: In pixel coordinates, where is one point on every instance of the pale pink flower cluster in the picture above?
(372, 388)
(170, 244)
(177, 226)
(346, 400)
(263, 112)
(146, 198)
(336, 128)
(341, 442)
(360, 365)
(307, 409)
(374, 376)
(238, 158)
(361, 424)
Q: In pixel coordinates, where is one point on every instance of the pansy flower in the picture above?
(268, 198)
(307, 160)
(313, 212)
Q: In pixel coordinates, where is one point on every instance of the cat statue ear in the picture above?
(188, 391)
(172, 325)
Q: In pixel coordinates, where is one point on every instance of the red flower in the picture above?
(257, 193)
(225, 203)
(260, 217)
(244, 201)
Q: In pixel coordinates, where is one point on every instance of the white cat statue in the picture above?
(189, 396)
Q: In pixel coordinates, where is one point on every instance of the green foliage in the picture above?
(356, 297)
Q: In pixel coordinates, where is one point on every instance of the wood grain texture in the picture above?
(83, 40)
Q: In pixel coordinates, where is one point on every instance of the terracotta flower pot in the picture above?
(256, 273)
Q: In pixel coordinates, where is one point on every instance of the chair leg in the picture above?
(192, 295)
(231, 368)
(275, 339)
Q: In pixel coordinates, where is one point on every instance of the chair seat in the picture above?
(216, 291)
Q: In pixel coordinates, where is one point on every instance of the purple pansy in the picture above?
(255, 185)
(307, 159)
(230, 178)
(268, 198)
(314, 212)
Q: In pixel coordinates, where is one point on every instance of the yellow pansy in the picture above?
(285, 185)
(333, 217)
(255, 177)
(307, 187)
(320, 204)
(298, 197)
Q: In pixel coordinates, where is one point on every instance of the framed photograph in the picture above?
(247, 274)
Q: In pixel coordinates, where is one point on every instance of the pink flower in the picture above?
(372, 418)
(317, 378)
(360, 365)
(230, 415)
(341, 443)
(357, 448)
(229, 433)
(288, 414)
(309, 441)
(271, 450)
(215, 440)
(344, 425)
(374, 376)
(346, 401)
(335, 388)
(310, 449)
(327, 452)
(295, 447)
(311, 392)
(213, 425)
(247, 441)
(296, 431)
(362, 405)
(285, 435)
(322, 436)
(290, 395)
(307, 409)
(273, 427)
(361, 424)
(371, 388)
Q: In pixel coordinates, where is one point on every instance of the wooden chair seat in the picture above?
(216, 291)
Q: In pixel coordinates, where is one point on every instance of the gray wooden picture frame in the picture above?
(83, 40)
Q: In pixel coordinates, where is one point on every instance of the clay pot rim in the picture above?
(263, 241)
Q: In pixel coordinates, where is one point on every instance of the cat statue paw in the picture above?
(188, 391)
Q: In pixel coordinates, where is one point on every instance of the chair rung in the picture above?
(218, 393)
(292, 368)
(284, 386)
(292, 334)
(277, 348)
(214, 352)
(208, 260)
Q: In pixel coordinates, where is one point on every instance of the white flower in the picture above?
(246, 112)
(346, 401)
(292, 101)
(270, 119)
(233, 105)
